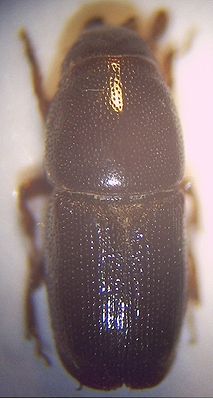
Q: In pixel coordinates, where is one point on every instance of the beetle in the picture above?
(115, 258)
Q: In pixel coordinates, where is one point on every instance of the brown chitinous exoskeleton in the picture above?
(115, 255)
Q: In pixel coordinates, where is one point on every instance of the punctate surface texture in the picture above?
(116, 285)
(112, 127)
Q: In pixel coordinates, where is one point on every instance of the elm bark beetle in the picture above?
(115, 259)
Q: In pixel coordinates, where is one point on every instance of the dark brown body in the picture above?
(115, 255)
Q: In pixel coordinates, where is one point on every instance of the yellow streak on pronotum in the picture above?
(116, 87)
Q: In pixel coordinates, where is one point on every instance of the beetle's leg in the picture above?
(166, 63)
(36, 74)
(29, 190)
(156, 26)
(193, 226)
(193, 294)
(166, 57)
(193, 281)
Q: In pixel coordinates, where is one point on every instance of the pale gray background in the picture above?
(21, 374)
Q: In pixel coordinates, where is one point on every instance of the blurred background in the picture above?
(21, 146)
